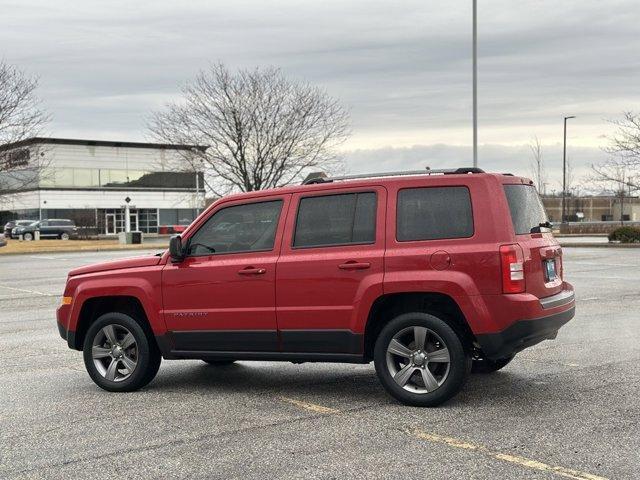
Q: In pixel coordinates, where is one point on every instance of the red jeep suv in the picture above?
(430, 275)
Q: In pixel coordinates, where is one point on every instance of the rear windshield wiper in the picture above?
(546, 225)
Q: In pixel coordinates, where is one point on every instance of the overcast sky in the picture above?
(402, 68)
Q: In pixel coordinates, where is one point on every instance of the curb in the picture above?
(90, 250)
(601, 245)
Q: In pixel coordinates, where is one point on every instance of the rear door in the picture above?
(330, 268)
(542, 253)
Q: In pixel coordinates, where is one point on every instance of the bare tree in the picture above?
(262, 130)
(21, 117)
(625, 143)
(536, 165)
(622, 169)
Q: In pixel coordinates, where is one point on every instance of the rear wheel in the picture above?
(118, 355)
(420, 360)
(484, 365)
(218, 363)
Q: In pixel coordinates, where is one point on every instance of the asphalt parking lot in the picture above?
(568, 408)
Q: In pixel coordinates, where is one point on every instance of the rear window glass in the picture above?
(432, 213)
(336, 220)
(525, 206)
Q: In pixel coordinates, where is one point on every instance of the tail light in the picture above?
(512, 260)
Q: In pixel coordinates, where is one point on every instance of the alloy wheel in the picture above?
(418, 359)
(115, 352)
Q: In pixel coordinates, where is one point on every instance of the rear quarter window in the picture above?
(432, 213)
(525, 207)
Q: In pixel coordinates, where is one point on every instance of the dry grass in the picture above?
(49, 246)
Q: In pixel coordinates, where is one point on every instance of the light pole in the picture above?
(475, 83)
(564, 170)
(199, 151)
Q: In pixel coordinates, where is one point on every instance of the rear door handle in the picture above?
(252, 271)
(353, 265)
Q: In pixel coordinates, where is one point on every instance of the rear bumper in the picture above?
(523, 334)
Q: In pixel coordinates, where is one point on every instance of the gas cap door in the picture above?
(440, 260)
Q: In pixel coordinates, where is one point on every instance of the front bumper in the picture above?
(62, 316)
(526, 333)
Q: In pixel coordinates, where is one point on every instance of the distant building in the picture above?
(593, 208)
(89, 180)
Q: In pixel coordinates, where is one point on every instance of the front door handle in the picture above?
(252, 271)
(353, 265)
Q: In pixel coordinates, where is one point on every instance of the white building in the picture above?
(89, 181)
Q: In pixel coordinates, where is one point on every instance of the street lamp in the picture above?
(475, 83)
(564, 169)
(199, 151)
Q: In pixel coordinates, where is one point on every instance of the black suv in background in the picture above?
(52, 228)
(9, 226)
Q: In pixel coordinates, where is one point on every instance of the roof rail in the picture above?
(442, 171)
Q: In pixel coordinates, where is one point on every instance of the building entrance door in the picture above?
(110, 224)
(133, 218)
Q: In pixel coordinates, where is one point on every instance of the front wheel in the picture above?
(420, 360)
(64, 236)
(28, 237)
(118, 355)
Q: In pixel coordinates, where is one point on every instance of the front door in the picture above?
(330, 269)
(221, 297)
(133, 221)
(110, 224)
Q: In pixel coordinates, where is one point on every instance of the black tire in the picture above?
(218, 363)
(64, 236)
(147, 353)
(459, 360)
(485, 365)
(27, 237)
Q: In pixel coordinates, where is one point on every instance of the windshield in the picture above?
(526, 207)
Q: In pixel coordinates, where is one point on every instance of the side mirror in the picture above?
(175, 248)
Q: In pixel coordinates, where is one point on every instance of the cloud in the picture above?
(514, 159)
(403, 69)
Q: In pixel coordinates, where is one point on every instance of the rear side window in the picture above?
(432, 213)
(525, 206)
(343, 219)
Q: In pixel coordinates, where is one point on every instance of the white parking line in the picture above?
(24, 290)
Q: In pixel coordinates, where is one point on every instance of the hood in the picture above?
(146, 261)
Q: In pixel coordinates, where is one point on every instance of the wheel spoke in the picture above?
(402, 377)
(112, 370)
(110, 333)
(420, 335)
(430, 381)
(99, 352)
(127, 341)
(439, 356)
(397, 348)
(129, 363)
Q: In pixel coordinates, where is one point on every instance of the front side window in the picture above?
(241, 228)
(341, 219)
(431, 213)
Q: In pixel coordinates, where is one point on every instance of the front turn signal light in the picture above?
(66, 300)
